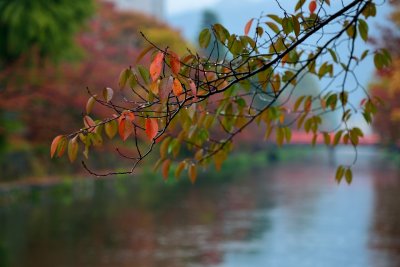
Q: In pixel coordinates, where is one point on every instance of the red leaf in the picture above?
(248, 26)
(151, 128)
(156, 66)
(177, 87)
(125, 126)
(175, 63)
(312, 6)
(54, 145)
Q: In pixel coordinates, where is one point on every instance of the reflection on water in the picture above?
(284, 215)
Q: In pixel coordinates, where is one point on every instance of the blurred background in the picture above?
(266, 207)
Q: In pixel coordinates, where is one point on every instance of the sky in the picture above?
(179, 6)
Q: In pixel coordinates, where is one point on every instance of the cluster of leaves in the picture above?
(197, 104)
(387, 85)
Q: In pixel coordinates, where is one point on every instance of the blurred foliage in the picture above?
(49, 26)
(110, 41)
(387, 86)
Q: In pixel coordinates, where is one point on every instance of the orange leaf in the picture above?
(312, 6)
(154, 86)
(177, 87)
(175, 63)
(151, 128)
(192, 173)
(248, 26)
(156, 66)
(125, 126)
(165, 168)
(54, 145)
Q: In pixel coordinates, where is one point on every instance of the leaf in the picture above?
(156, 66)
(108, 94)
(165, 89)
(151, 128)
(125, 126)
(192, 173)
(248, 26)
(73, 148)
(90, 103)
(312, 6)
(179, 169)
(155, 87)
(144, 52)
(273, 27)
(144, 73)
(54, 145)
(111, 128)
(174, 63)
(165, 168)
(348, 176)
(296, 26)
(363, 29)
(337, 137)
(193, 88)
(298, 103)
(89, 123)
(177, 87)
(299, 5)
(204, 38)
(339, 174)
(327, 139)
(164, 147)
(123, 77)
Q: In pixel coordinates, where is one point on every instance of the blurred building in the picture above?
(155, 8)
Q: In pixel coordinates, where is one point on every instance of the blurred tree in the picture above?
(47, 27)
(38, 102)
(387, 86)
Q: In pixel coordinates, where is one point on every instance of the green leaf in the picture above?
(363, 29)
(333, 55)
(144, 73)
(123, 77)
(337, 137)
(273, 26)
(299, 5)
(339, 174)
(204, 38)
(111, 128)
(348, 176)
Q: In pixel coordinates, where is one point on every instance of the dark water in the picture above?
(280, 215)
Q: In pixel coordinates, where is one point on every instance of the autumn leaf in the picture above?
(177, 87)
(108, 94)
(192, 173)
(175, 63)
(125, 126)
(73, 148)
(54, 145)
(90, 103)
(248, 26)
(151, 128)
(312, 6)
(156, 66)
(89, 123)
(165, 168)
(165, 89)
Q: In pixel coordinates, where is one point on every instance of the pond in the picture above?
(283, 214)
